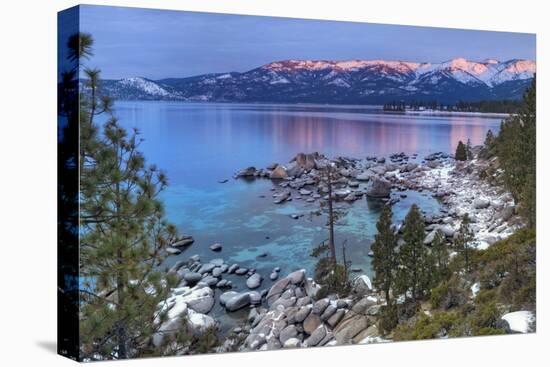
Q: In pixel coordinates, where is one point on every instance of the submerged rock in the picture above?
(183, 242)
(247, 172)
(216, 247)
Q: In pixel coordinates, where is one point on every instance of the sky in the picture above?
(158, 44)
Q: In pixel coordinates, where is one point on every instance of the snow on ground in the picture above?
(467, 194)
(372, 340)
(475, 289)
(520, 321)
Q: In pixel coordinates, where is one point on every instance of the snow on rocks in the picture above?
(461, 190)
(475, 289)
(362, 285)
(520, 321)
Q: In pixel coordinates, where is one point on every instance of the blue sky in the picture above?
(157, 43)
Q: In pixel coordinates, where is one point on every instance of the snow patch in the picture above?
(519, 321)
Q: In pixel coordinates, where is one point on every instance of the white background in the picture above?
(28, 180)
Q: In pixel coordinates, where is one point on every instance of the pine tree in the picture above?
(440, 256)
(461, 154)
(414, 259)
(462, 242)
(516, 150)
(384, 262)
(123, 235)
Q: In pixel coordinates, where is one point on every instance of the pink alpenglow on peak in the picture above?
(490, 71)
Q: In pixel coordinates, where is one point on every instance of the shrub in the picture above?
(440, 324)
(449, 294)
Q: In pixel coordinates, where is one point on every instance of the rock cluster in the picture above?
(293, 318)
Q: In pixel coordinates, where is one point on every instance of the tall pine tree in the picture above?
(461, 154)
(384, 262)
(516, 150)
(415, 268)
(462, 242)
(440, 256)
(123, 233)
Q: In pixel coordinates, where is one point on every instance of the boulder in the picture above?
(292, 343)
(311, 323)
(238, 301)
(368, 334)
(294, 170)
(447, 230)
(217, 262)
(241, 271)
(284, 302)
(209, 280)
(254, 281)
(288, 332)
(278, 173)
(302, 301)
(192, 278)
(216, 247)
(296, 277)
(226, 296)
(328, 312)
(173, 251)
(349, 328)
(198, 322)
(480, 203)
(316, 336)
(302, 313)
(255, 298)
(362, 285)
(336, 318)
(202, 301)
(363, 304)
(364, 176)
(274, 275)
(216, 272)
(206, 268)
(273, 344)
(281, 197)
(183, 242)
(320, 306)
(247, 172)
(311, 287)
(380, 188)
(306, 161)
(277, 289)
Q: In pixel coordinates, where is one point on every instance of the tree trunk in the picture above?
(331, 218)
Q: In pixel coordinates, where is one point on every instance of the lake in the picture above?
(199, 144)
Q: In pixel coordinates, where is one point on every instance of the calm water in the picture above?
(200, 144)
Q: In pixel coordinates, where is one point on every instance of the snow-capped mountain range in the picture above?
(353, 81)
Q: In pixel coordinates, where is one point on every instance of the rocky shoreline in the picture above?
(458, 185)
(287, 313)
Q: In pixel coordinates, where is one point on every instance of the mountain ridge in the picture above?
(341, 81)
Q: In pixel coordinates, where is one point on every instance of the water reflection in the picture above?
(200, 143)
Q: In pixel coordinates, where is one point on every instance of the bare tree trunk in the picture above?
(330, 217)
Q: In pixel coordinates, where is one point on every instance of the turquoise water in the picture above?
(200, 144)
